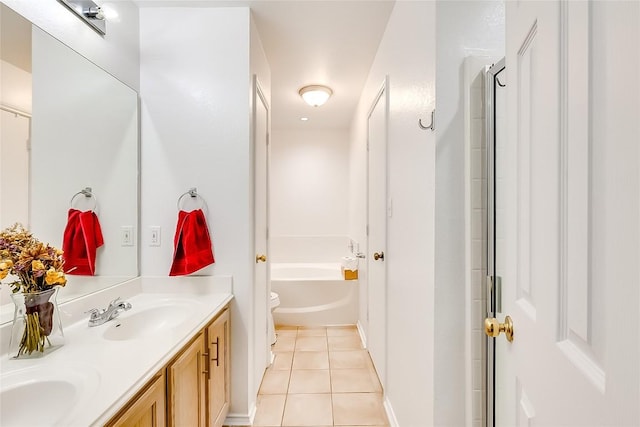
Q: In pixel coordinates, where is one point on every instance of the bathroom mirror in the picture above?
(66, 125)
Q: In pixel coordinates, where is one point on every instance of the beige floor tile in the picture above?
(311, 344)
(311, 360)
(270, 409)
(342, 331)
(286, 330)
(344, 343)
(308, 410)
(275, 382)
(349, 359)
(310, 381)
(282, 361)
(304, 331)
(285, 343)
(358, 409)
(354, 380)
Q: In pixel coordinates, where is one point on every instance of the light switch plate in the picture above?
(126, 235)
(154, 235)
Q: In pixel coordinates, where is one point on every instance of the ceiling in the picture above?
(328, 42)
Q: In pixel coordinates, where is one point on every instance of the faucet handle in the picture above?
(94, 312)
(114, 302)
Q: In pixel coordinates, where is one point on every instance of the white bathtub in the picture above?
(313, 295)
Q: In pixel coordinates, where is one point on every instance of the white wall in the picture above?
(117, 52)
(309, 182)
(309, 195)
(16, 87)
(14, 170)
(195, 90)
(407, 55)
(14, 157)
(463, 28)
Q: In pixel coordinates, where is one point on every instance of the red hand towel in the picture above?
(192, 244)
(82, 237)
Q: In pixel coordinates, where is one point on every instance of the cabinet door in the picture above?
(218, 340)
(148, 410)
(187, 379)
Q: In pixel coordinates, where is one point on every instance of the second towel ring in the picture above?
(86, 192)
(193, 193)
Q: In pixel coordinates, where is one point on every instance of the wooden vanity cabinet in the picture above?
(147, 409)
(194, 385)
(187, 379)
(218, 341)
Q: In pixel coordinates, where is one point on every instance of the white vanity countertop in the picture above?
(114, 369)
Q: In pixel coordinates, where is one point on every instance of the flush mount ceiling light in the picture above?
(315, 95)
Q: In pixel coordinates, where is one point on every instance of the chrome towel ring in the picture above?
(193, 193)
(86, 192)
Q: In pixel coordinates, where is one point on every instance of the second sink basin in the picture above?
(147, 321)
(40, 396)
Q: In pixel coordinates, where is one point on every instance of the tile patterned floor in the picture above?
(320, 377)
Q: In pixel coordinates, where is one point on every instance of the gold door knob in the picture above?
(261, 258)
(493, 328)
(378, 256)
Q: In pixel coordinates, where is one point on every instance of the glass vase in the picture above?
(37, 327)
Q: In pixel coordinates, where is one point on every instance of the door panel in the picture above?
(571, 216)
(377, 232)
(261, 351)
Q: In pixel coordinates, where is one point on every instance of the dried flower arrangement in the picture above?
(35, 268)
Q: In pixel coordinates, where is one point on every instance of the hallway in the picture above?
(320, 377)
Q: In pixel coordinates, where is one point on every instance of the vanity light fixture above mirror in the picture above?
(89, 12)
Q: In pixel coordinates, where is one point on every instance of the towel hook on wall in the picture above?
(192, 192)
(86, 192)
(433, 122)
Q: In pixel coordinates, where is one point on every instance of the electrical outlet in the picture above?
(126, 235)
(154, 239)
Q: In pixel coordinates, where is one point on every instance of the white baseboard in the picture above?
(244, 420)
(363, 336)
(391, 416)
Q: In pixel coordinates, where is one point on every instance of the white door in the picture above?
(570, 254)
(261, 294)
(377, 232)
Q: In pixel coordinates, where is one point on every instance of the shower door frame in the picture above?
(493, 292)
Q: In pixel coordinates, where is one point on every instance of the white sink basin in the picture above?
(41, 397)
(147, 321)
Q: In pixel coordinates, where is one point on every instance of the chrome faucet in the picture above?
(98, 317)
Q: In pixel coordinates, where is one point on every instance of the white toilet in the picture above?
(275, 302)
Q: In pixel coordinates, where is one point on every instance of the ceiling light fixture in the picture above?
(304, 119)
(315, 95)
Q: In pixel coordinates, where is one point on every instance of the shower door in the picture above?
(495, 126)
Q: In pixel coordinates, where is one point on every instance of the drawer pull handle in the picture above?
(206, 363)
(217, 344)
